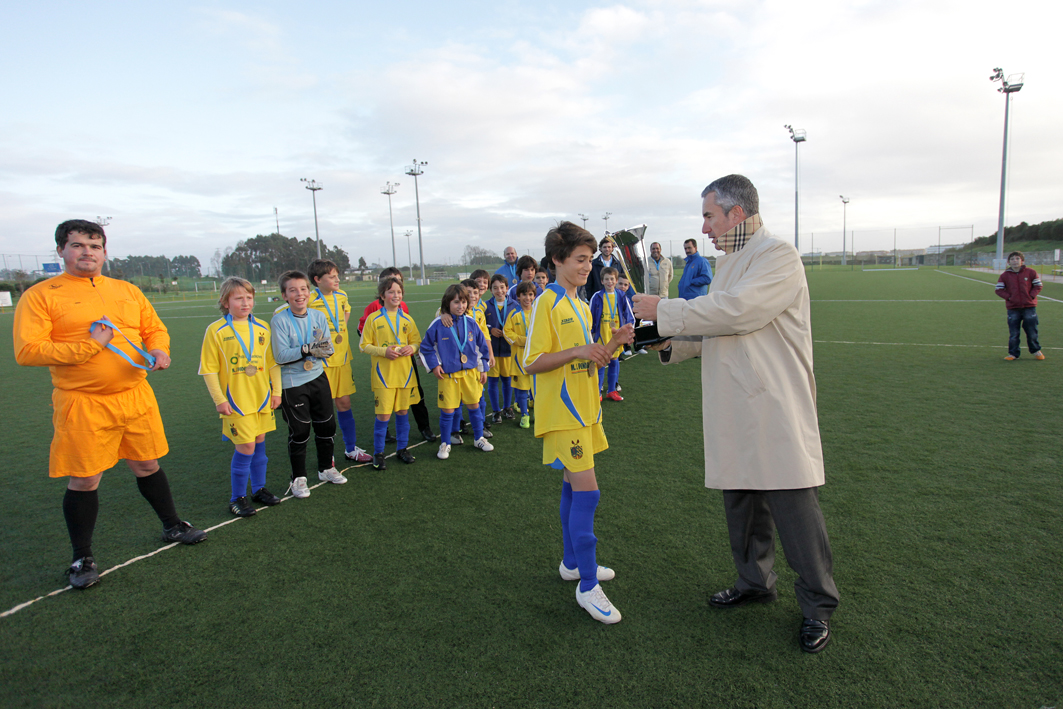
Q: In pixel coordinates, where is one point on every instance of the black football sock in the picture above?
(156, 490)
(80, 509)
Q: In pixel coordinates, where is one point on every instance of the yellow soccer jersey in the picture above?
(566, 398)
(610, 318)
(337, 309)
(224, 355)
(516, 334)
(381, 330)
(481, 320)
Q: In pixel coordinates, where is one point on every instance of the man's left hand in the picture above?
(162, 360)
(645, 306)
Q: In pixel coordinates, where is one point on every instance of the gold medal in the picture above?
(464, 359)
(338, 338)
(250, 370)
(308, 365)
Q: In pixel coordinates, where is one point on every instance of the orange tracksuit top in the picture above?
(51, 330)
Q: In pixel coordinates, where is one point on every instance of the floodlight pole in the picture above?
(313, 186)
(1008, 86)
(390, 190)
(845, 206)
(798, 136)
(417, 169)
(584, 217)
(409, 254)
(277, 218)
(606, 218)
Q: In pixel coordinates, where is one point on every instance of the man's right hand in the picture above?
(660, 346)
(102, 334)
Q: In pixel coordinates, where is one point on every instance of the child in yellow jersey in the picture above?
(327, 298)
(516, 333)
(609, 310)
(563, 357)
(499, 386)
(392, 338)
(244, 381)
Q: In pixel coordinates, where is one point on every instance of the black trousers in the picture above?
(420, 411)
(752, 518)
(304, 407)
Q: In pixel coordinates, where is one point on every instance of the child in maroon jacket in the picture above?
(1019, 286)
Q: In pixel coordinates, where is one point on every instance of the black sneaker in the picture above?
(497, 417)
(487, 422)
(404, 455)
(464, 428)
(184, 533)
(240, 508)
(83, 573)
(378, 461)
(426, 433)
(265, 497)
(390, 437)
(508, 414)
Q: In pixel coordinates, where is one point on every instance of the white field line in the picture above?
(992, 283)
(20, 606)
(916, 344)
(872, 270)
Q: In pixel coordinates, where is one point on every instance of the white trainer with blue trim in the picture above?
(604, 573)
(595, 603)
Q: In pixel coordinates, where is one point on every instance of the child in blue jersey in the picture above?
(498, 310)
(563, 357)
(459, 358)
(609, 310)
(526, 268)
(301, 345)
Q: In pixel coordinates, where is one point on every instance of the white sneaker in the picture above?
(642, 350)
(483, 445)
(358, 455)
(595, 603)
(331, 475)
(444, 451)
(604, 573)
(299, 488)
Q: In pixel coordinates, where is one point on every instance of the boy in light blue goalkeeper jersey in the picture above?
(563, 357)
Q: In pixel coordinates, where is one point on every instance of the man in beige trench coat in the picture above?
(762, 445)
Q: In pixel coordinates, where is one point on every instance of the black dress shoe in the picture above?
(733, 598)
(814, 635)
(404, 455)
(426, 433)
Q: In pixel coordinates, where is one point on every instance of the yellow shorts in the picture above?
(503, 367)
(340, 380)
(95, 431)
(387, 401)
(459, 388)
(522, 382)
(245, 429)
(574, 450)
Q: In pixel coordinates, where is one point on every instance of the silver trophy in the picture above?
(629, 247)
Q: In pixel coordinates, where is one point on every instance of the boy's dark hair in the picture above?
(622, 277)
(292, 276)
(471, 283)
(62, 232)
(454, 292)
(320, 267)
(525, 287)
(525, 262)
(563, 239)
(385, 285)
(1017, 253)
(390, 271)
(541, 269)
(498, 277)
(479, 273)
(609, 271)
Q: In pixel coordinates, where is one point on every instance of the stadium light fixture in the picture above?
(389, 190)
(584, 217)
(409, 253)
(798, 136)
(845, 206)
(417, 168)
(1008, 86)
(314, 186)
(606, 218)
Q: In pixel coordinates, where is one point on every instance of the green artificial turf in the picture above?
(436, 584)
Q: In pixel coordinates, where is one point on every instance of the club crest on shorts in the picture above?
(577, 450)
(376, 401)
(440, 397)
(232, 429)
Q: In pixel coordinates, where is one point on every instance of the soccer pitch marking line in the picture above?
(914, 344)
(993, 283)
(56, 592)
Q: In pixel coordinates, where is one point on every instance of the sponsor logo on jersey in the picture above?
(567, 321)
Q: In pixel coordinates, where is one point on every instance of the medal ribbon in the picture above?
(251, 327)
(612, 306)
(395, 327)
(150, 359)
(502, 311)
(335, 304)
(586, 333)
(454, 332)
(303, 339)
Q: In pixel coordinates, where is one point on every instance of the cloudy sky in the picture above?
(189, 122)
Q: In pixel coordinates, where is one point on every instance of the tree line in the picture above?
(154, 267)
(265, 258)
(1044, 231)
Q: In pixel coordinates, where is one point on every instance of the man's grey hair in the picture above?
(734, 190)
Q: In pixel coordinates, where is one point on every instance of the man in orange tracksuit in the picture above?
(87, 330)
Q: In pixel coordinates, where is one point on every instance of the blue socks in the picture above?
(346, 421)
(258, 467)
(492, 391)
(566, 538)
(584, 543)
(446, 426)
(476, 418)
(522, 401)
(507, 391)
(402, 430)
(614, 373)
(601, 378)
(241, 471)
(380, 432)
